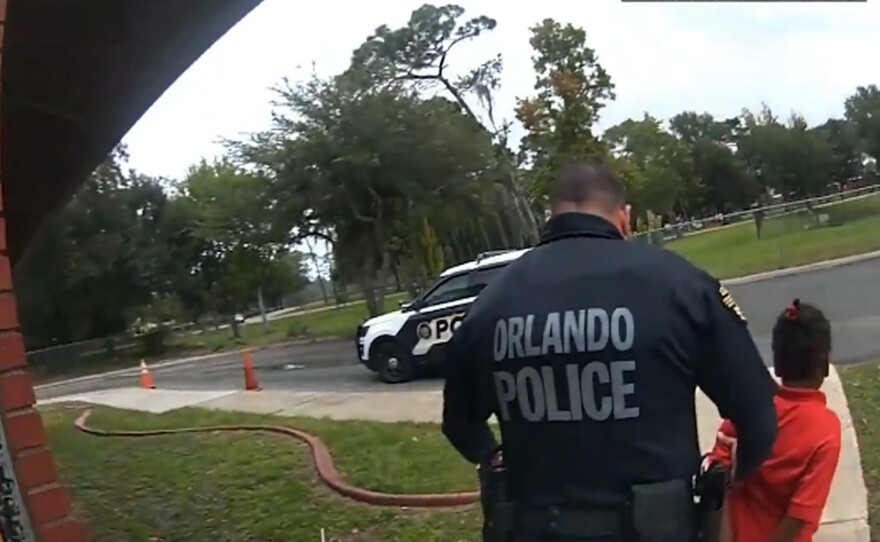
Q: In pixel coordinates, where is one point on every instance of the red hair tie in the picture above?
(791, 312)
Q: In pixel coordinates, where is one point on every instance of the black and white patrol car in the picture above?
(400, 344)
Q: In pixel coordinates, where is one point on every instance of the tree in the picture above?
(184, 267)
(295, 271)
(232, 214)
(432, 254)
(842, 137)
(863, 110)
(98, 260)
(668, 181)
(572, 88)
(416, 56)
(725, 184)
(691, 127)
(366, 165)
(787, 158)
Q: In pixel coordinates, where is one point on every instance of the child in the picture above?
(784, 499)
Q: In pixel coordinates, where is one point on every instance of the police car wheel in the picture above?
(393, 363)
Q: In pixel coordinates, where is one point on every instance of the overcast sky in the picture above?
(664, 58)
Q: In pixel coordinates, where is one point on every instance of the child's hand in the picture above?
(730, 443)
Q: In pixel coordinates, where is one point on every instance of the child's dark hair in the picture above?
(801, 342)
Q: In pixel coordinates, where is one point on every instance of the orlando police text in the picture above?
(597, 390)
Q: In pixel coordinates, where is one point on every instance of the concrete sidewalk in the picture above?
(152, 401)
(844, 520)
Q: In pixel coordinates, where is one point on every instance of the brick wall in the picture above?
(47, 506)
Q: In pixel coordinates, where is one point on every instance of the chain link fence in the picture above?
(779, 236)
(779, 219)
(95, 355)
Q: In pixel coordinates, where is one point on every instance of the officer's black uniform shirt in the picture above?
(589, 349)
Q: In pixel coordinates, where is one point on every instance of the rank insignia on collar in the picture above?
(730, 303)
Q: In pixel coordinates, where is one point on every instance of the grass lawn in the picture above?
(862, 386)
(247, 487)
(736, 250)
(331, 322)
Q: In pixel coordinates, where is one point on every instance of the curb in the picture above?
(817, 266)
(321, 457)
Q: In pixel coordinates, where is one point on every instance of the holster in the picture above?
(497, 510)
(663, 512)
(710, 488)
(655, 512)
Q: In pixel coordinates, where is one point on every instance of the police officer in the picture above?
(589, 349)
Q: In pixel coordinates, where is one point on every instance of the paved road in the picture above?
(850, 296)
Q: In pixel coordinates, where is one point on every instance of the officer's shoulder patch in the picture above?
(730, 303)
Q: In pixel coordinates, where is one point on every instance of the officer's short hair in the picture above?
(582, 182)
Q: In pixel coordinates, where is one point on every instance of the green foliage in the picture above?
(863, 112)
(126, 253)
(96, 261)
(667, 172)
(415, 57)
(297, 329)
(432, 252)
(572, 88)
(364, 164)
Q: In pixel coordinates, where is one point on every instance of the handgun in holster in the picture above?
(497, 510)
(710, 488)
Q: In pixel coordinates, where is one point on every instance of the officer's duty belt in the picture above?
(572, 523)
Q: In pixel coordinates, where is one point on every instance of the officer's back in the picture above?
(589, 350)
(593, 353)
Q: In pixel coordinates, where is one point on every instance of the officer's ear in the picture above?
(624, 217)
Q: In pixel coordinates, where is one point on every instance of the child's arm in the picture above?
(787, 530)
(811, 493)
(721, 453)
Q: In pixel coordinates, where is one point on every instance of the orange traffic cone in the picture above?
(146, 378)
(250, 377)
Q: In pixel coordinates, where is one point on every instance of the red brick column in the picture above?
(32, 480)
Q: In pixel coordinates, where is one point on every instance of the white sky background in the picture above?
(663, 58)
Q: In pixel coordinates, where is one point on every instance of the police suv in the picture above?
(400, 344)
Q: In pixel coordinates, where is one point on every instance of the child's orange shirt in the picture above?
(796, 480)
